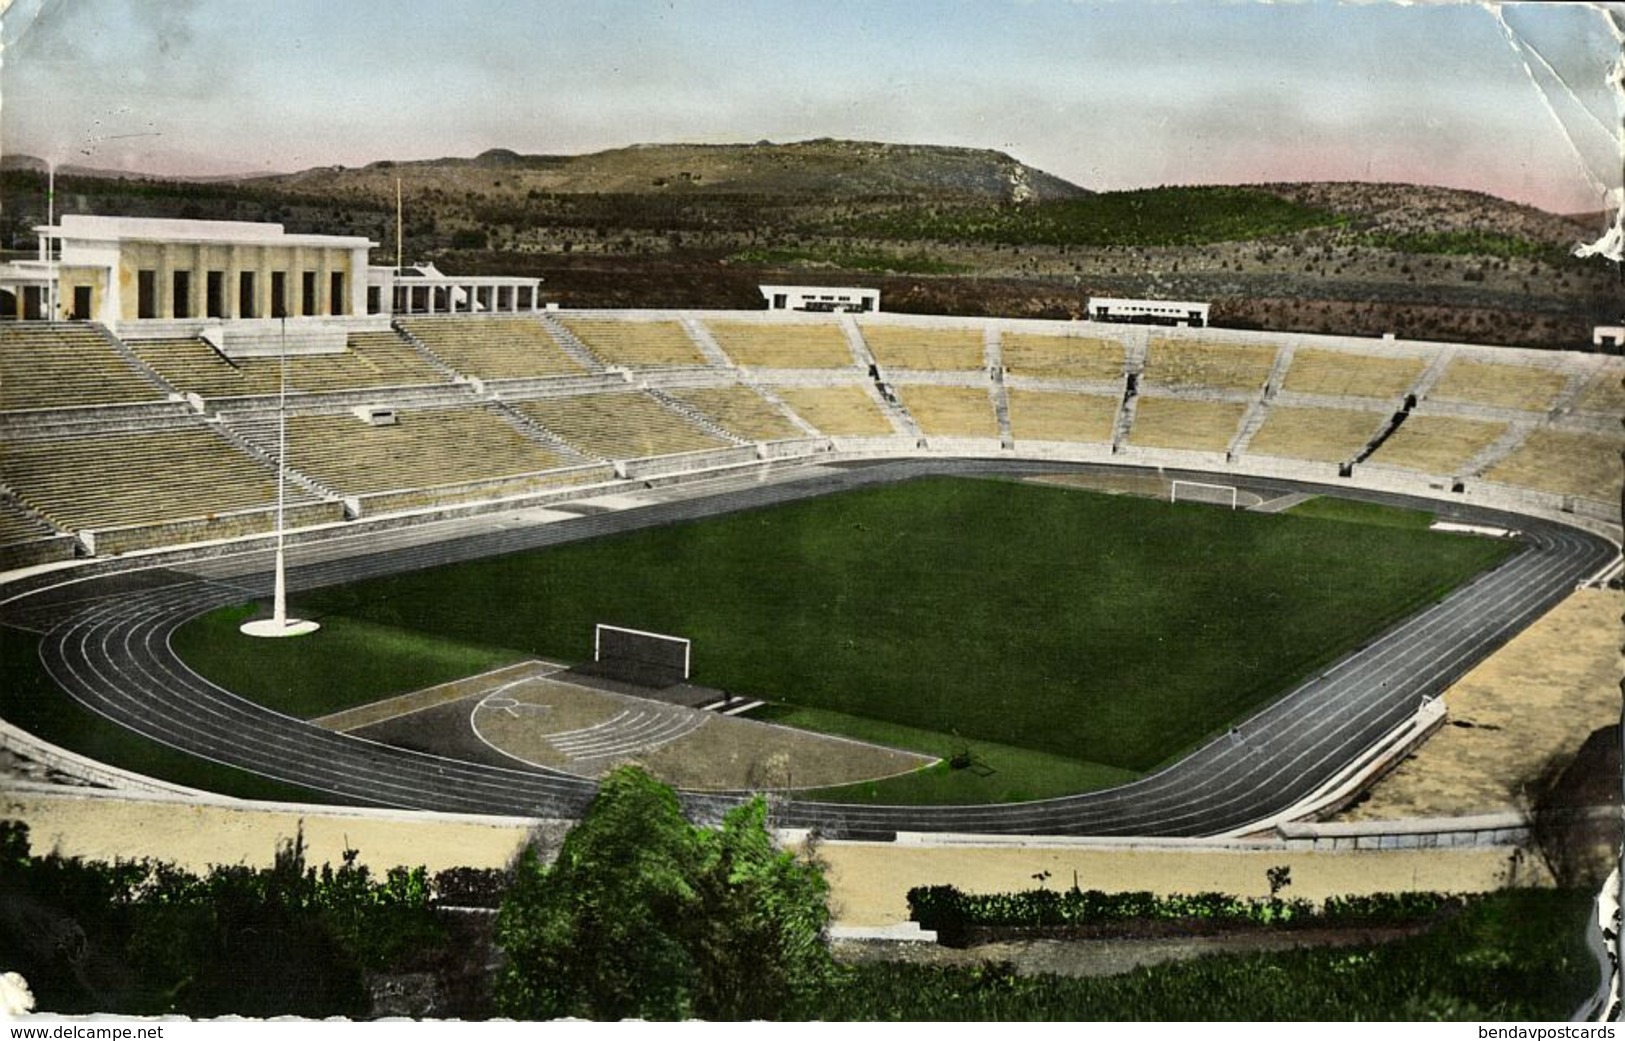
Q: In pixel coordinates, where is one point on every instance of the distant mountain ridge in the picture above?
(822, 167)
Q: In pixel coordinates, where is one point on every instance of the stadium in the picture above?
(448, 466)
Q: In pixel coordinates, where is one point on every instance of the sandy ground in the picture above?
(1540, 695)
(869, 881)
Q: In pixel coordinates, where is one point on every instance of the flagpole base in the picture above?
(272, 627)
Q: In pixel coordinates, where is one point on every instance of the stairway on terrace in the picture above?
(492, 348)
(68, 365)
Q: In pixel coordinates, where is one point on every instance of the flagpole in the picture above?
(279, 624)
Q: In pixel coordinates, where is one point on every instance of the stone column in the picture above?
(200, 280)
(164, 290)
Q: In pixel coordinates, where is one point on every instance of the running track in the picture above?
(107, 646)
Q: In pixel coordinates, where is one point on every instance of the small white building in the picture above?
(820, 298)
(1147, 312)
(1608, 338)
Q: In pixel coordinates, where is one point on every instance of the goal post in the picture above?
(645, 658)
(1201, 491)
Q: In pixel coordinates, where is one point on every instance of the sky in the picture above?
(1511, 99)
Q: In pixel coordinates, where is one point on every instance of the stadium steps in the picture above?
(1283, 362)
(1135, 346)
(896, 414)
(570, 343)
(993, 362)
(1509, 441)
(862, 356)
(1257, 412)
(1569, 396)
(20, 522)
(709, 347)
(777, 402)
(147, 372)
(1125, 412)
(265, 455)
(438, 363)
(1430, 374)
(540, 434)
(695, 416)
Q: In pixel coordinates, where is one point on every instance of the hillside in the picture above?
(936, 229)
(807, 169)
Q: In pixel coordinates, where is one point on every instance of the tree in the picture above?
(644, 915)
(762, 946)
(599, 933)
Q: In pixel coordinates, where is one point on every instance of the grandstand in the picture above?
(1204, 365)
(1343, 374)
(1438, 444)
(1565, 463)
(636, 344)
(370, 360)
(1327, 435)
(1521, 387)
(845, 410)
(46, 365)
(926, 348)
(950, 411)
(178, 471)
(17, 525)
(740, 411)
(1037, 415)
(1090, 358)
(424, 448)
(783, 344)
(1604, 393)
(91, 419)
(494, 348)
(618, 425)
(1178, 423)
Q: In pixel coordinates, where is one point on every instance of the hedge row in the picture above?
(951, 913)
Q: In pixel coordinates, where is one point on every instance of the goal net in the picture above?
(1198, 491)
(635, 656)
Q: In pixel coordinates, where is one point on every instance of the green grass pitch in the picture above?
(1112, 632)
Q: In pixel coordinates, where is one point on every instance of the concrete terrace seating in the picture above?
(618, 425)
(1437, 444)
(17, 525)
(1326, 435)
(783, 345)
(141, 477)
(1215, 366)
(425, 448)
(493, 348)
(950, 411)
(1062, 357)
(65, 365)
(190, 365)
(1196, 426)
(1565, 462)
(841, 411)
(1604, 393)
(1045, 416)
(740, 411)
(1525, 387)
(919, 347)
(636, 344)
(370, 360)
(1343, 374)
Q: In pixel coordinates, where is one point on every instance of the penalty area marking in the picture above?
(429, 697)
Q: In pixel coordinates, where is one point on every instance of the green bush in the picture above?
(952, 914)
